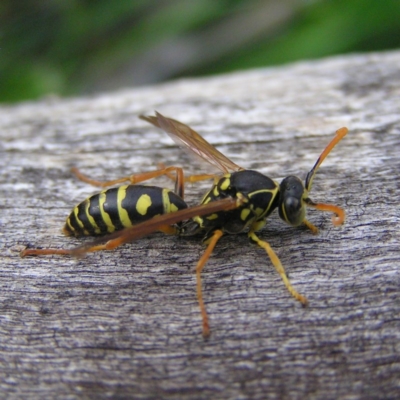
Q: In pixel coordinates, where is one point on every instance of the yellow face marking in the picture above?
(212, 216)
(244, 214)
(104, 215)
(143, 204)
(122, 213)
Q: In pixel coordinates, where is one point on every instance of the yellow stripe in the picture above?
(173, 208)
(71, 228)
(206, 198)
(90, 218)
(273, 193)
(168, 206)
(76, 211)
(166, 203)
(123, 214)
(263, 191)
(104, 215)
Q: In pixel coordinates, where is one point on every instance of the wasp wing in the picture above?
(189, 139)
(154, 224)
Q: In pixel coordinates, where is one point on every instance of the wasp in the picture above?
(239, 201)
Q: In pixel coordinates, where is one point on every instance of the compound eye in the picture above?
(294, 211)
(291, 207)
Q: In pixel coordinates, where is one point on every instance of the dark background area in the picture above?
(66, 47)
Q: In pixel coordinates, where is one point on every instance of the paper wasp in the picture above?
(240, 200)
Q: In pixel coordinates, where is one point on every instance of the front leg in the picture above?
(276, 262)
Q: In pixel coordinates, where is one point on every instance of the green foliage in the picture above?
(326, 28)
(68, 47)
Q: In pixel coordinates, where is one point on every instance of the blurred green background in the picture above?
(71, 47)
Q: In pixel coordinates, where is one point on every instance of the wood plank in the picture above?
(126, 324)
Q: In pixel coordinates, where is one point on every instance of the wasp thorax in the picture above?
(224, 187)
(291, 206)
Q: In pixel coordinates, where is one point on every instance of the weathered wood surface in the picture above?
(126, 324)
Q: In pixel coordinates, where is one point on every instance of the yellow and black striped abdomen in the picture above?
(121, 207)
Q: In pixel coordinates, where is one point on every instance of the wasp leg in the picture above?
(191, 178)
(45, 252)
(212, 241)
(339, 216)
(120, 240)
(109, 245)
(201, 177)
(112, 244)
(278, 266)
(137, 178)
(310, 226)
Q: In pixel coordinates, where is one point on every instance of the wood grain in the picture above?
(126, 324)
